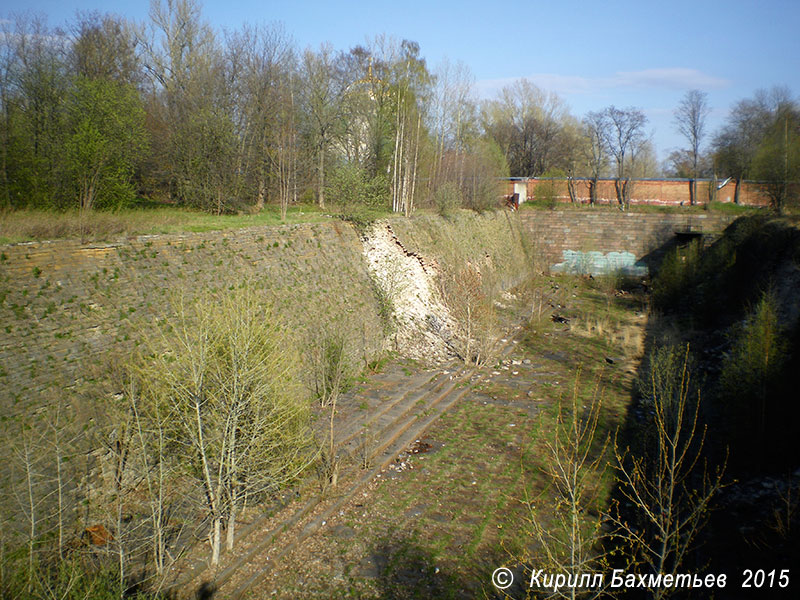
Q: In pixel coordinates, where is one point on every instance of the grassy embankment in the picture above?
(716, 207)
(28, 225)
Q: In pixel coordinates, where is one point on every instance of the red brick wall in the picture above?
(650, 191)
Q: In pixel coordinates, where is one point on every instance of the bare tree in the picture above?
(690, 121)
(150, 445)
(596, 129)
(571, 541)
(527, 123)
(737, 144)
(626, 134)
(323, 91)
(105, 48)
(662, 482)
(453, 116)
(777, 162)
(469, 295)
(263, 67)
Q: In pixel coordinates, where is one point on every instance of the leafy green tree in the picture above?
(106, 139)
(751, 372)
(483, 165)
(777, 161)
(351, 186)
(35, 81)
(740, 140)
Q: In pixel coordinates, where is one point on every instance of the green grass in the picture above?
(714, 207)
(29, 225)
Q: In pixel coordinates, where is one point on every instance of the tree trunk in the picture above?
(230, 529)
(260, 198)
(712, 189)
(736, 190)
(321, 177)
(619, 186)
(215, 539)
(414, 171)
(571, 189)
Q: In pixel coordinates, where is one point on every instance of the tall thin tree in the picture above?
(690, 121)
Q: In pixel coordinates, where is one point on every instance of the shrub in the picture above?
(546, 193)
(677, 274)
(331, 368)
(469, 295)
(663, 382)
(447, 198)
(350, 186)
(752, 370)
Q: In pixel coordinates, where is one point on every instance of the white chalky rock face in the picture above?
(424, 325)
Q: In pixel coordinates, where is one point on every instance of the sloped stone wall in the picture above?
(66, 307)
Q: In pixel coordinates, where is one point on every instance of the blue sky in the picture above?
(623, 52)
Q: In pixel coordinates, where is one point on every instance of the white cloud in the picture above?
(674, 78)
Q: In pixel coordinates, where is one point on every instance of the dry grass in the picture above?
(28, 225)
(627, 336)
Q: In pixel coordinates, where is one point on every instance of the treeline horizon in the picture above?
(109, 111)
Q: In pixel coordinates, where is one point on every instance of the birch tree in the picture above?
(412, 82)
